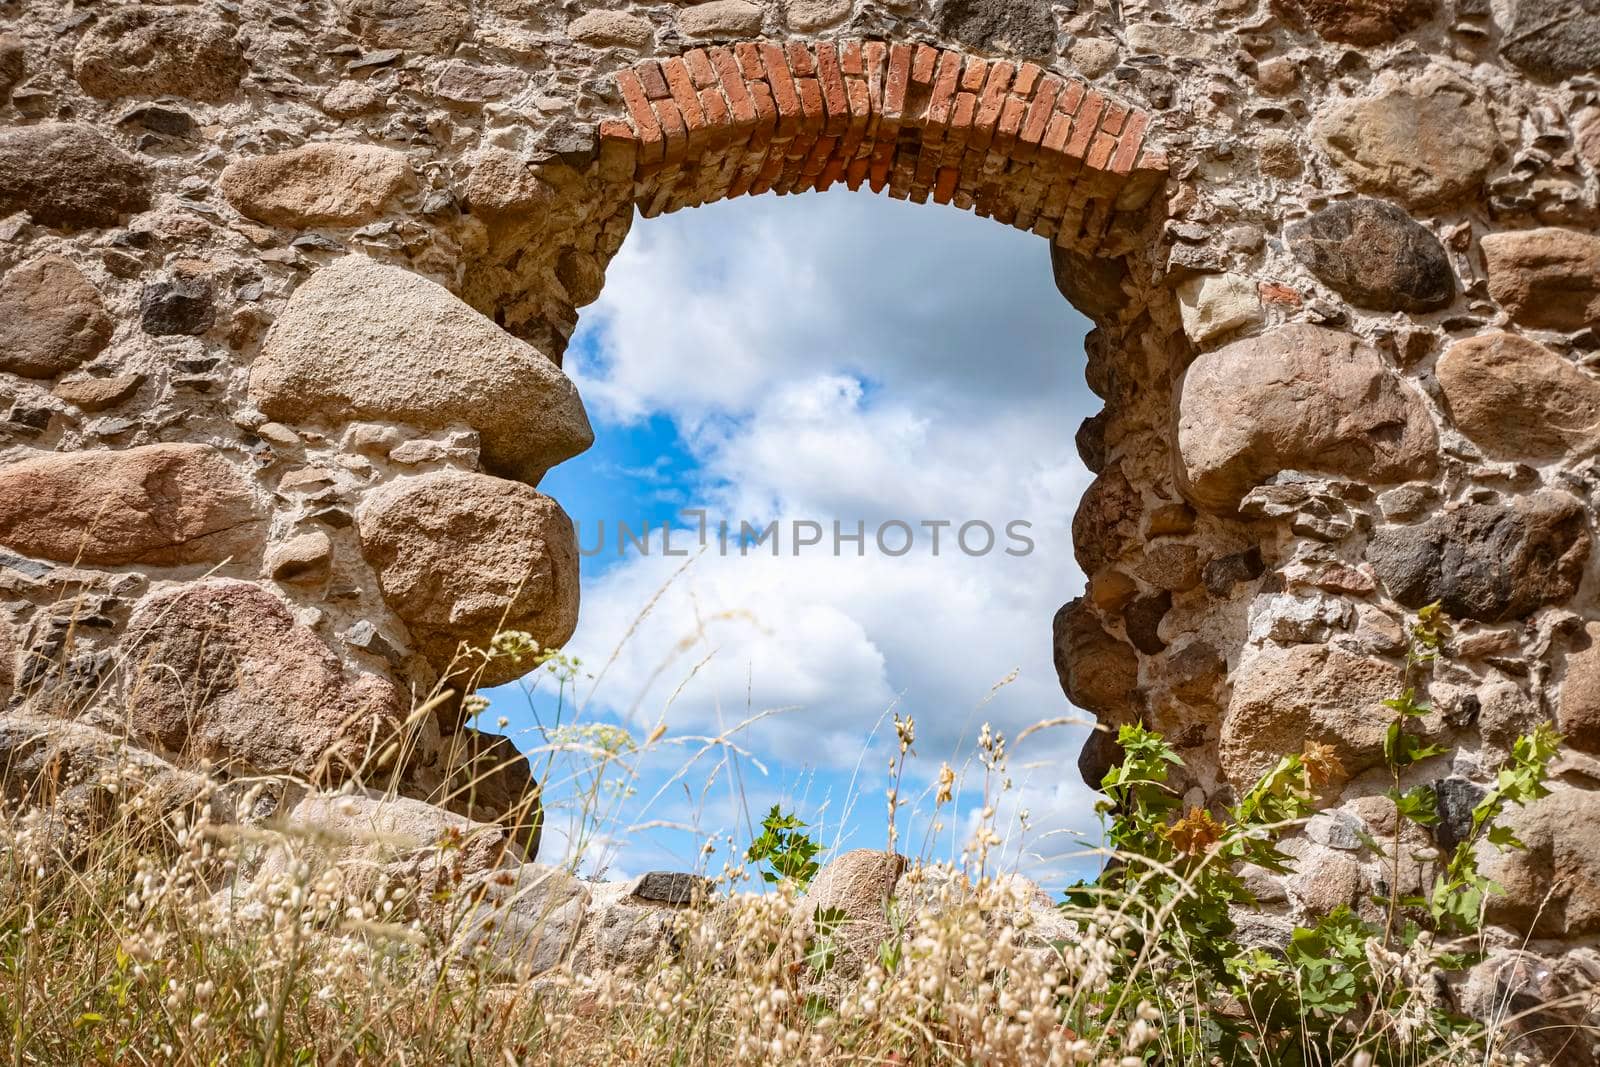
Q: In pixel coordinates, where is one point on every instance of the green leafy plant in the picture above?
(787, 850)
(1343, 988)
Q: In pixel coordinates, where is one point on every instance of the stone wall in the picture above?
(286, 291)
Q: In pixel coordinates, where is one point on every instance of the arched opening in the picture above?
(781, 361)
(1010, 142)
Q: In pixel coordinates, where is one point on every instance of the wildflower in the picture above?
(1195, 833)
(1322, 763)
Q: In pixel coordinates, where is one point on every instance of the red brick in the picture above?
(1112, 121)
(1055, 134)
(883, 160)
(801, 61)
(899, 81)
(990, 104)
(784, 93)
(748, 53)
(700, 68)
(655, 83)
(1084, 125)
(813, 111)
(1027, 79)
(1011, 116)
(856, 172)
(873, 56)
(946, 82)
(835, 98)
(833, 172)
(1067, 103)
(1100, 154)
(766, 111)
(739, 102)
(924, 65)
(1128, 143)
(850, 58)
(961, 118)
(860, 104)
(1153, 158)
(672, 126)
(681, 82)
(715, 107)
(974, 74)
(946, 185)
(644, 120)
(1044, 101)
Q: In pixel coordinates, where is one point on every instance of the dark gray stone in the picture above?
(1376, 256)
(177, 307)
(1101, 752)
(1092, 284)
(1485, 561)
(1224, 572)
(158, 119)
(1553, 39)
(1142, 619)
(69, 176)
(672, 887)
(1024, 28)
(1455, 798)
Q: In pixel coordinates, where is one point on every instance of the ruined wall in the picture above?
(286, 289)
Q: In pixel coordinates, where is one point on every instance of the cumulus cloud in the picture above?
(852, 359)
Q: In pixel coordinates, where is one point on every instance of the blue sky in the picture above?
(828, 358)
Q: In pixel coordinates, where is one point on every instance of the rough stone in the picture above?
(1324, 881)
(1214, 305)
(856, 887)
(522, 922)
(1485, 561)
(1300, 397)
(504, 186)
(13, 63)
(1552, 888)
(462, 556)
(721, 19)
(1546, 278)
(1022, 28)
(1553, 39)
(10, 648)
(1427, 143)
(321, 184)
(673, 888)
(493, 783)
(69, 176)
(1284, 696)
(606, 29)
(1092, 284)
(219, 669)
(1372, 253)
(1098, 672)
(350, 99)
(1578, 714)
(1360, 22)
(303, 558)
(160, 51)
(363, 836)
(98, 394)
(159, 505)
(51, 319)
(1516, 399)
(183, 305)
(810, 15)
(361, 340)
(432, 26)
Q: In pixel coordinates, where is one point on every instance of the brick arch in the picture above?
(1011, 141)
